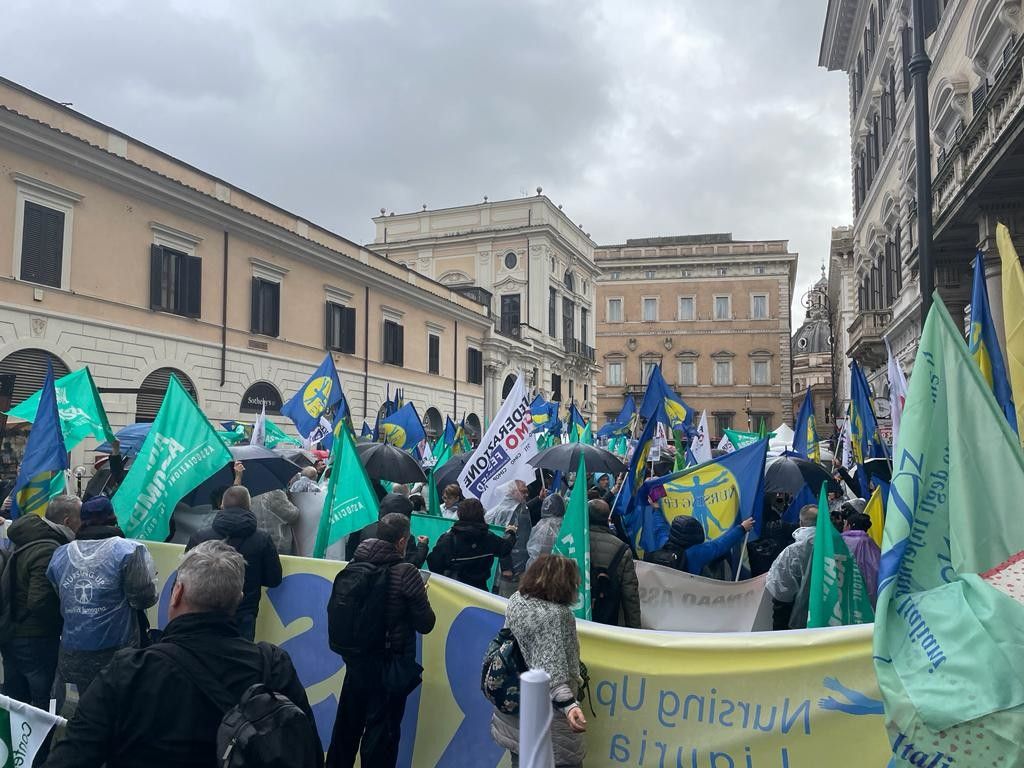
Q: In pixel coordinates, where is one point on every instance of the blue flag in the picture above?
(805, 438)
(659, 395)
(366, 431)
(864, 437)
(403, 429)
(450, 430)
(576, 423)
(622, 422)
(984, 345)
(626, 502)
(720, 494)
(45, 458)
(321, 392)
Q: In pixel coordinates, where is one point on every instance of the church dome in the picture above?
(813, 336)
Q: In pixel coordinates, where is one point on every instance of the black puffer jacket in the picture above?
(467, 552)
(237, 527)
(36, 604)
(145, 711)
(415, 552)
(408, 609)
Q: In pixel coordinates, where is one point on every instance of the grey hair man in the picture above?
(788, 578)
(65, 511)
(154, 707)
(236, 524)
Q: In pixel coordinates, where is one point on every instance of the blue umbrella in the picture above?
(131, 438)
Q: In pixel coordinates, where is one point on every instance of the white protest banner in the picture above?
(503, 453)
(701, 446)
(678, 601)
(23, 729)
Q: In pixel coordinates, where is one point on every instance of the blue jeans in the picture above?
(30, 664)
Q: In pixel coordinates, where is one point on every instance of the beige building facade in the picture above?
(714, 312)
(532, 267)
(976, 103)
(117, 256)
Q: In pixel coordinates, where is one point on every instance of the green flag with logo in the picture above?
(947, 643)
(23, 730)
(838, 596)
(350, 503)
(574, 539)
(180, 452)
(277, 436)
(78, 402)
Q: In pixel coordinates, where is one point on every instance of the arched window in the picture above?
(151, 393)
(27, 369)
(506, 387)
(473, 428)
(569, 281)
(433, 423)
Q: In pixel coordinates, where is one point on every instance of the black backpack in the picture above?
(670, 558)
(499, 676)
(8, 587)
(263, 728)
(606, 591)
(356, 622)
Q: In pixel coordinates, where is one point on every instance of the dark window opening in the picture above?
(433, 354)
(341, 328)
(175, 281)
(474, 366)
(42, 245)
(266, 307)
(394, 343)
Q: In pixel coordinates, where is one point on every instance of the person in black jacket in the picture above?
(415, 550)
(147, 710)
(466, 552)
(236, 525)
(369, 717)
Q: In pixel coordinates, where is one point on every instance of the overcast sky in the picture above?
(640, 118)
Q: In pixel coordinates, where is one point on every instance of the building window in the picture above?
(757, 417)
(723, 308)
(341, 328)
(650, 310)
(570, 281)
(433, 354)
(687, 373)
(614, 275)
(175, 281)
(614, 311)
(614, 374)
(572, 391)
(394, 343)
(474, 366)
(42, 245)
(509, 321)
(556, 388)
(759, 270)
(552, 313)
(686, 308)
(584, 322)
(723, 373)
(568, 320)
(511, 260)
(586, 394)
(646, 369)
(723, 421)
(722, 271)
(759, 373)
(759, 306)
(649, 274)
(265, 318)
(685, 273)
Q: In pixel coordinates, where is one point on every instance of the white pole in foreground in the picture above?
(535, 712)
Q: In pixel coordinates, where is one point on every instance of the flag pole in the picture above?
(743, 549)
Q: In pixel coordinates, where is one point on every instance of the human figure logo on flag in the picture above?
(393, 434)
(708, 495)
(316, 395)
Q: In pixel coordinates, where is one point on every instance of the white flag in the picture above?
(725, 444)
(847, 442)
(897, 392)
(504, 451)
(701, 445)
(259, 429)
(23, 729)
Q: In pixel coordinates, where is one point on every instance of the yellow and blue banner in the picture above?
(41, 474)
(320, 392)
(626, 503)
(736, 700)
(1013, 315)
(864, 436)
(805, 437)
(403, 429)
(661, 402)
(622, 422)
(984, 344)
(719, 494)
(577, 424)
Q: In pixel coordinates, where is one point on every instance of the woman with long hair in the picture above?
(540, 617)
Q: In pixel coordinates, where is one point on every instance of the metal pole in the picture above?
(535, 715)
(919, 67)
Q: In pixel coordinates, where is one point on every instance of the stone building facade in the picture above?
(117, 256)
(976, 103)
(714, 312)
(532, 267)
(842, 306)
(813, 361)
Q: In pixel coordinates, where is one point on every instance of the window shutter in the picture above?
(400, 344)
(348, 330)
(274, 303)
(193, 276)
(156, 268)
(254, 314)
(42, 245)
(329, 341)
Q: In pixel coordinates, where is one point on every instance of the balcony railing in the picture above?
(578, 348)
(867, 344)
(511, 327)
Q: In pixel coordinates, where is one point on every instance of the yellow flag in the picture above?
(874, 510)
(1013, 316)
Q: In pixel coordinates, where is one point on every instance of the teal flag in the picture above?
(838, 596)
(574, 539)
(180, 452)
(433, 494)
(276, 436)
(350, 503)
(947, 645)
(78, 402)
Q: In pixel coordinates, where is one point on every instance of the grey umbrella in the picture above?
(386, 462)
(566, 458)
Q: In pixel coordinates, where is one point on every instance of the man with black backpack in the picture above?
(378, 604)
(202, 696)
(614, 588)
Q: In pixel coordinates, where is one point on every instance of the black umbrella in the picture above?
(880, 469)
(566, 458)
(386, 462)
(264, 471)
(449, 472)
(298, 456)
(789, 474)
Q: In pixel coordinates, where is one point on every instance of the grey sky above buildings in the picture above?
(642, 118)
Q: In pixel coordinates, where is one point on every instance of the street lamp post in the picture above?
(919, 67)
